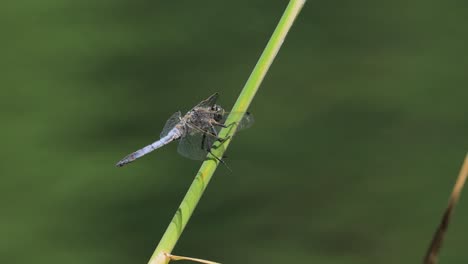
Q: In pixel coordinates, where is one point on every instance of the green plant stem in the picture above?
(203, 177)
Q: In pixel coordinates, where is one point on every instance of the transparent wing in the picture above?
(246, 121)
(209, 102)
(170, 123)
(195, 145)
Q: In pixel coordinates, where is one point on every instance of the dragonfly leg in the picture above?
(203, 141)
(220, 160)
(213, 134)
(218, 124)
(221, 140)
(214, 131)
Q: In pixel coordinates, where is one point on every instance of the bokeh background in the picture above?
(361, 127)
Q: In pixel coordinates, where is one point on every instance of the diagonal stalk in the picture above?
(203, 177)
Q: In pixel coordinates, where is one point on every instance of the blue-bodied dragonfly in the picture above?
(196, 131)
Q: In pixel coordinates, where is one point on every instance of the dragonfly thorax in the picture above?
(203, 117)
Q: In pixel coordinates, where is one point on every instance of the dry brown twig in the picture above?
(437, 239)
(174, 257)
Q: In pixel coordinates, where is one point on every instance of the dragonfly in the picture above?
(196, 131)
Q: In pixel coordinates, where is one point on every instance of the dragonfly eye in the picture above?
(218, 117)
(218, 112)
(216, 108)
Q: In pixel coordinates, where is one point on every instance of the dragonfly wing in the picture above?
(197, 142)
(195, 146)
(209, 102)
(246, 121)
(171, 123)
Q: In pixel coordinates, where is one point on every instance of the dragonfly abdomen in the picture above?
(171, 136)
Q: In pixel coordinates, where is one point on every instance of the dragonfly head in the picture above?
(218, 112)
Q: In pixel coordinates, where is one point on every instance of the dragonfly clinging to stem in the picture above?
(196, 131)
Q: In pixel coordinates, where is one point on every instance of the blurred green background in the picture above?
(361, 127)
